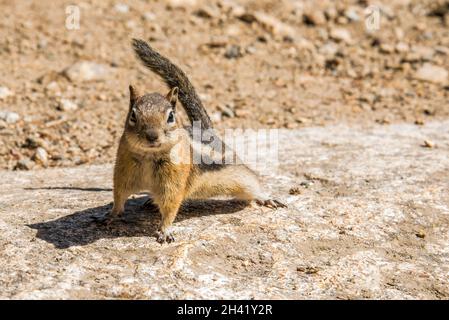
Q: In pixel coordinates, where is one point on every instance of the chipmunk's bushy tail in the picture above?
(173, 77)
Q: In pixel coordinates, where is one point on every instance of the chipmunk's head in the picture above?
(151, 122)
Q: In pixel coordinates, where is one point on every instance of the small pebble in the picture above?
(241, 113)
(87, 71)
(341, 34)
(24, 164)
(421, 234)
(315, 18)
(5, 92)
(428, 144)
(226, 111)
(352, 15)
(41, 156)
(419, 122)
(294, 191)
(307, 270)
(432, 73)
(9, 117)
(67, 105)
(121, 7)
(233, 52)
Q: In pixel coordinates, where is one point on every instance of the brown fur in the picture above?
(145, 163)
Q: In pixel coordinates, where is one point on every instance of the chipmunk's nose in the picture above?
(151, 136)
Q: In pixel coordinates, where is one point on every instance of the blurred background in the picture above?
(65, 67)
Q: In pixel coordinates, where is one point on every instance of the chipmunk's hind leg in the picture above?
(248, 188)
(271, 203)
(253, 192)
(236, 181)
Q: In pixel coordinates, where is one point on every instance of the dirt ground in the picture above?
(276, 64)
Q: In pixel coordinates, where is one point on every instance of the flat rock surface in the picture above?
(369, 219)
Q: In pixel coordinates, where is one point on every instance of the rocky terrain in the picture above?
(367, 218)
(363, 104)
(276, 64)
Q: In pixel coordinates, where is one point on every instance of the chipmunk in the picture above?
(144, 159)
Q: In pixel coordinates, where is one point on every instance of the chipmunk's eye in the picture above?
(132, 118)
(171, 117)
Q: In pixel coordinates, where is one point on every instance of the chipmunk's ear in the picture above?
(133, 95)
(172, 96)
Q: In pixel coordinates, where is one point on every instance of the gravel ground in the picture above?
(276, 64)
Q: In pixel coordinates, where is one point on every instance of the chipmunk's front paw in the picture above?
(107, 219)
(150, 206)
(271, 203)
(104, 221)
(164, 236)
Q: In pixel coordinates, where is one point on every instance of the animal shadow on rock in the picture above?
(81, 227)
